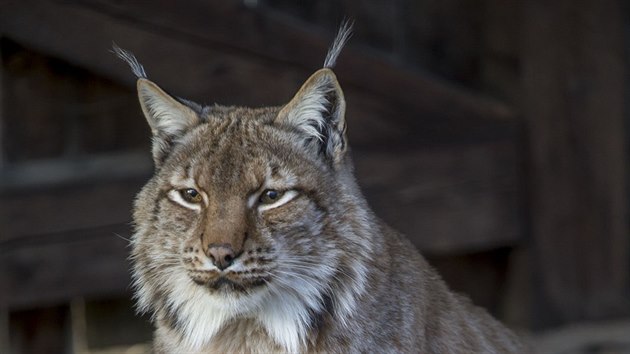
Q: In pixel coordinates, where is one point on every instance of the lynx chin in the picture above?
(253, 236)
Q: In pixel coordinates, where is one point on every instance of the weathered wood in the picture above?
(499, 59)
(66, 208)
(573, 100)
(94, 168)
(54, 268)
(78, 332)
(2, 118)
(4, 327)
(41, 330)
(215, 23)
(232, 66)
(442, 37)
(103, 319)
(77, 113)
(583, 337)
(457, 199)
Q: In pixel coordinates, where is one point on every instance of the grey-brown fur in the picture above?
(316, 273)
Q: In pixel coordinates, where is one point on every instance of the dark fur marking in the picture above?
(156, 208)
(171, 319)
(165, 152)
(318, 318)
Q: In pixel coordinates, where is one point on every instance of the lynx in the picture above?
(253, 236)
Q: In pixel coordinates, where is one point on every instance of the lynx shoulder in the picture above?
(253, 236)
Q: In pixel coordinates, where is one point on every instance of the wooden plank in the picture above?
(103, 330)
(573, 99)
(77, 113)
(445, 199)
(41, 330)
(59, 29)
(609, 336)
(66, 208)
(64, 171)
(4, 327)
(499, 58)
(449, 200)
(54, 268)
(2, 110)
(230, 25)
(235, 66)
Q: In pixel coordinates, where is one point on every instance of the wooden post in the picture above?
(2, 114)
(78, 330)
(573, 101)
(4, 330)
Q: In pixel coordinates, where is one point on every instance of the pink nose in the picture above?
(221, 255)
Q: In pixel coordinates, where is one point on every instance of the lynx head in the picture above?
(252, 213)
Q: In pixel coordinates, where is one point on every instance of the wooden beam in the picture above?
(65, 208)
(449, 200)
(51, 173)
(453, 198)
(221, 51)
(573, 99)
(40, 330)
(4, 327)
(2, 112)
(255, 33)
(55, 268)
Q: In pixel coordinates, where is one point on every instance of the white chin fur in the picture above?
(284, 313)
(203, 314)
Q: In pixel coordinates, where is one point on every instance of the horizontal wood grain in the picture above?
(220, 51)
(54, 268)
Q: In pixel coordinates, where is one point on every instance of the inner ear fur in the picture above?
(317, 112)
(168, 118)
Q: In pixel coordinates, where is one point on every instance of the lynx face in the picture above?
(239, 212)
(248, 215)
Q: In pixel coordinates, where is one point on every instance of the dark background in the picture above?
(492, 132)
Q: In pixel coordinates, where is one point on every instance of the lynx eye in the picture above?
(270, 196)
(191, 195)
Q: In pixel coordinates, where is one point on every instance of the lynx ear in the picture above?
(318, 112)
(168, 118)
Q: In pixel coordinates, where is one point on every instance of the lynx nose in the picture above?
(221, 255)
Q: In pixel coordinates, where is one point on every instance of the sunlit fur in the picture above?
(314, 271)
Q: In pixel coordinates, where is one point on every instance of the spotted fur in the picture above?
(312, 270)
